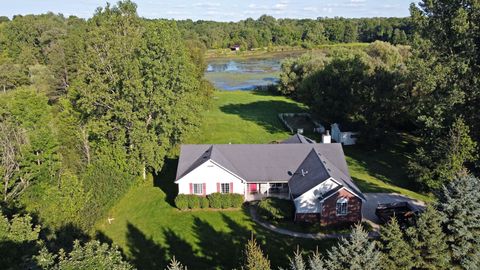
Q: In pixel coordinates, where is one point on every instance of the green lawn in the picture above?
(150, 230)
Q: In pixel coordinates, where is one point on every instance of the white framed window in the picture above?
(198, 189)
(225, 187)
(342, 207)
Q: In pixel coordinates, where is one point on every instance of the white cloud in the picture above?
(206, 4)
(280, 6)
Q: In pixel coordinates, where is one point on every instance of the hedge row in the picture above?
(214, 200)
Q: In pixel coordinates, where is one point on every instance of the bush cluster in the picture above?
(214, 200)
(275, 209)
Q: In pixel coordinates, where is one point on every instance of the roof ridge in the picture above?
(219, 152)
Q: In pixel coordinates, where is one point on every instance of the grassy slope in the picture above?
(150, 230)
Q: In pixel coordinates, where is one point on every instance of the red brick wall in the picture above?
(307, 217)
(329, 210)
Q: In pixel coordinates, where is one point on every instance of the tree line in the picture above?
(88, 108)
(429, 89)
(267, 31)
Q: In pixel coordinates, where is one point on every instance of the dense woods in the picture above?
(89, 108)
(429, 89)
(267, 31)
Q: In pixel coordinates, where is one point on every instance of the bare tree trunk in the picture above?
(86, 145)
(11, 140)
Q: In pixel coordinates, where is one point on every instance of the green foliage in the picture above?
(315, 262)
(106, 179)
(444, 73)
(266, 31)
(294, 70)
(28, 134)
(446, 158)
(216, 200)
(356, 253)
(254, 259)
(459, 204)
(91, 255)
(204, 203)
(193, 201)
(428, 241)
(396, 251)
(18, 240)
(175, 265)
(181, 201)
(236, 200)
(364, 88)
(276, 209)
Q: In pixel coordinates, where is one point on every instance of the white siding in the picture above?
(210, 174)
(308, 202)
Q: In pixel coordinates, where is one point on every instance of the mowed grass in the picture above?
(244, 117)
(150, 230)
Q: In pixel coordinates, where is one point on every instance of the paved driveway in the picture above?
(368, 208)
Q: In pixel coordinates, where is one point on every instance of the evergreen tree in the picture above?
(315, 262)
(92, 255)
(397, 253)
(175, 265)
(429, 241)
(297, 263)
(254, 257)
(355, 253)
(459, 203)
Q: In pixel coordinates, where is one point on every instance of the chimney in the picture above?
(326, 138)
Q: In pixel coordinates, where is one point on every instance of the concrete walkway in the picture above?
(316, 236)
(368, 211)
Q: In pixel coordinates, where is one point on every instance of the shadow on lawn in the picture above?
(264, 113)
(165, 180)
(389, 164)
(144, 252)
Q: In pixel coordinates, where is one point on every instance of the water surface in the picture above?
(244, 73)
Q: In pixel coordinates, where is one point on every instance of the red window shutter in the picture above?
(204, 189)
(231, 187)
(218, 187)
(191, 188)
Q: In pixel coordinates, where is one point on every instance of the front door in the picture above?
(253, 188)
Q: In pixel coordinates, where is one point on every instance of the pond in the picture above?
(244, 73)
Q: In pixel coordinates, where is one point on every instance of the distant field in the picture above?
(279, 50)
(150, 230)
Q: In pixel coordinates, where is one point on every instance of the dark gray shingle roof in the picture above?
(272, 162)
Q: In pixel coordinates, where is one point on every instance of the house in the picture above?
(314, 175)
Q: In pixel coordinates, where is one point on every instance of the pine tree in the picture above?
(254, 257)
(175, 265)
(397, 254)
(91, 255)
(429, 242)
(316, 262)
(459, 203)
(297, 263)
(355, 253)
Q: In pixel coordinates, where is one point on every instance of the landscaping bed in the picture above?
(280, 213)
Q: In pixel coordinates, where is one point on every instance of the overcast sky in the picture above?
(219, 10)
